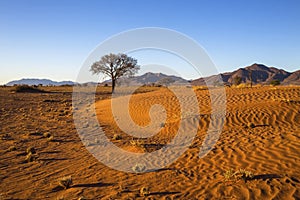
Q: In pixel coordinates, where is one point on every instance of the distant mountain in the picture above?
(261, 74)
(150, 78)
(34, 81)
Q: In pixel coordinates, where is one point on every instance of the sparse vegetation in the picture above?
(51, 138)
(138, 168)
(250, 125)
(27, 88)
(241, 174)
(12, 148)
(65, 182)
(117, 137)
(30, 157)
(47, 134)
(30, 150)
(138, 143)
(275, 82)
(144, 191)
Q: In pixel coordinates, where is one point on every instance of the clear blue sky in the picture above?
(51, 38)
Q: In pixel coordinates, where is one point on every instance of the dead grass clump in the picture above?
(138, 168)
(51, 138)
(30, 157)
(117, 137)
(47, 134)
(250, 125)
(65, 182)
(12, 148)
(144, 191)
(31, 154)
(30, 150)
(240, 174)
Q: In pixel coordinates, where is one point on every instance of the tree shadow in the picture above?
(165, 169)
(164, 193)
(262, 125)
(266, 176)
(52, 159)
(91, 185)
(49, 152)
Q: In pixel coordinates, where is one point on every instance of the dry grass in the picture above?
(65, 182)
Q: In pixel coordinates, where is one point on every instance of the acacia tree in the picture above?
(115, 66)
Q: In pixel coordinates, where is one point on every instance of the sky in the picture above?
(51, 38)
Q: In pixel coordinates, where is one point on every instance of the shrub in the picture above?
(51, 138)
(65, 182)
(144, 191)
(47, 135)
(12, 148)
(117, 137)
(30, 157)
(275, 82)
(230, 175)
(138, 168)
(27, 88)
(30, 150)
(250, 125)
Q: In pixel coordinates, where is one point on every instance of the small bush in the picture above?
(27, 88)
(230, 175)
(138, 168)
(250, 125)
(30, 157)
(65, 182)
(144, 191)
(117, 137)
(12, 148)
(51, 138)
(47, 135)
(275, 82)
(30, 150)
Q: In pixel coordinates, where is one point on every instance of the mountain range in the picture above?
(35, 81)
(260, 74)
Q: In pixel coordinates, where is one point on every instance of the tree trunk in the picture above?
(113, 84)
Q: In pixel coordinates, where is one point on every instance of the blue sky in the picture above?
(51, 39)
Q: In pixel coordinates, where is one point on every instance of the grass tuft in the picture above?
(144, 191)
(65, 182)
(241, 174)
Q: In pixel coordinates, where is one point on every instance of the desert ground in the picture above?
(257, 155)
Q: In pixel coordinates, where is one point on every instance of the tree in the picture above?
(115, 66)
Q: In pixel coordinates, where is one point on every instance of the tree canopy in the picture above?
(115, 66)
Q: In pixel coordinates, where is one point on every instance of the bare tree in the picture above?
(115, 66)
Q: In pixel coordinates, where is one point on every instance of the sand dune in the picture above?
(261, 134)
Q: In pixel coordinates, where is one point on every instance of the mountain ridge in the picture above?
(261, 74)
